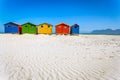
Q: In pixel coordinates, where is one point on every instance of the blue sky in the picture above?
(89, 14)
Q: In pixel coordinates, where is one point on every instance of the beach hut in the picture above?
(74, 29)
(62, 28)
(44, 28)
(12, 27)
(29, 28)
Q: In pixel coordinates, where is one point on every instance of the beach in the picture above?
(59, 57)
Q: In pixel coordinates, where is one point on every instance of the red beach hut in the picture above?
(62, 28)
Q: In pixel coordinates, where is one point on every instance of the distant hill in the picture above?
(106, 31)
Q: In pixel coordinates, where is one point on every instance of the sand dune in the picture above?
(51, 57)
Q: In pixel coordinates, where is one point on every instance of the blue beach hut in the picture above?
(75, 29)
(12, 28)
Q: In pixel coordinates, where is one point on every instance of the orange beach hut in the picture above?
(62, 28)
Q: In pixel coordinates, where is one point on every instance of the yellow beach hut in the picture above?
(44, 28)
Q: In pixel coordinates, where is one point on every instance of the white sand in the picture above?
(51, 57)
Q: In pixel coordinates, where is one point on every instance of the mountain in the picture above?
(106, 31)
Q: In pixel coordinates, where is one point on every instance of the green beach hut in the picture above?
(29, 28)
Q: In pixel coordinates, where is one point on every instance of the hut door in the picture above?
(59, 29)
(65, 30)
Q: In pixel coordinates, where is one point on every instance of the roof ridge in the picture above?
(29, 23)
(62, 23)
(13, 23)
(46, 23)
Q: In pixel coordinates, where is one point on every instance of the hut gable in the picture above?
(28, 24)
(45, 25)
(63, 24)
(12, 23)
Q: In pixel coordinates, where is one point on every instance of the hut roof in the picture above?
(75, 25)
(62, 23)
(29, 23)
(12, 23)
(45, 23)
